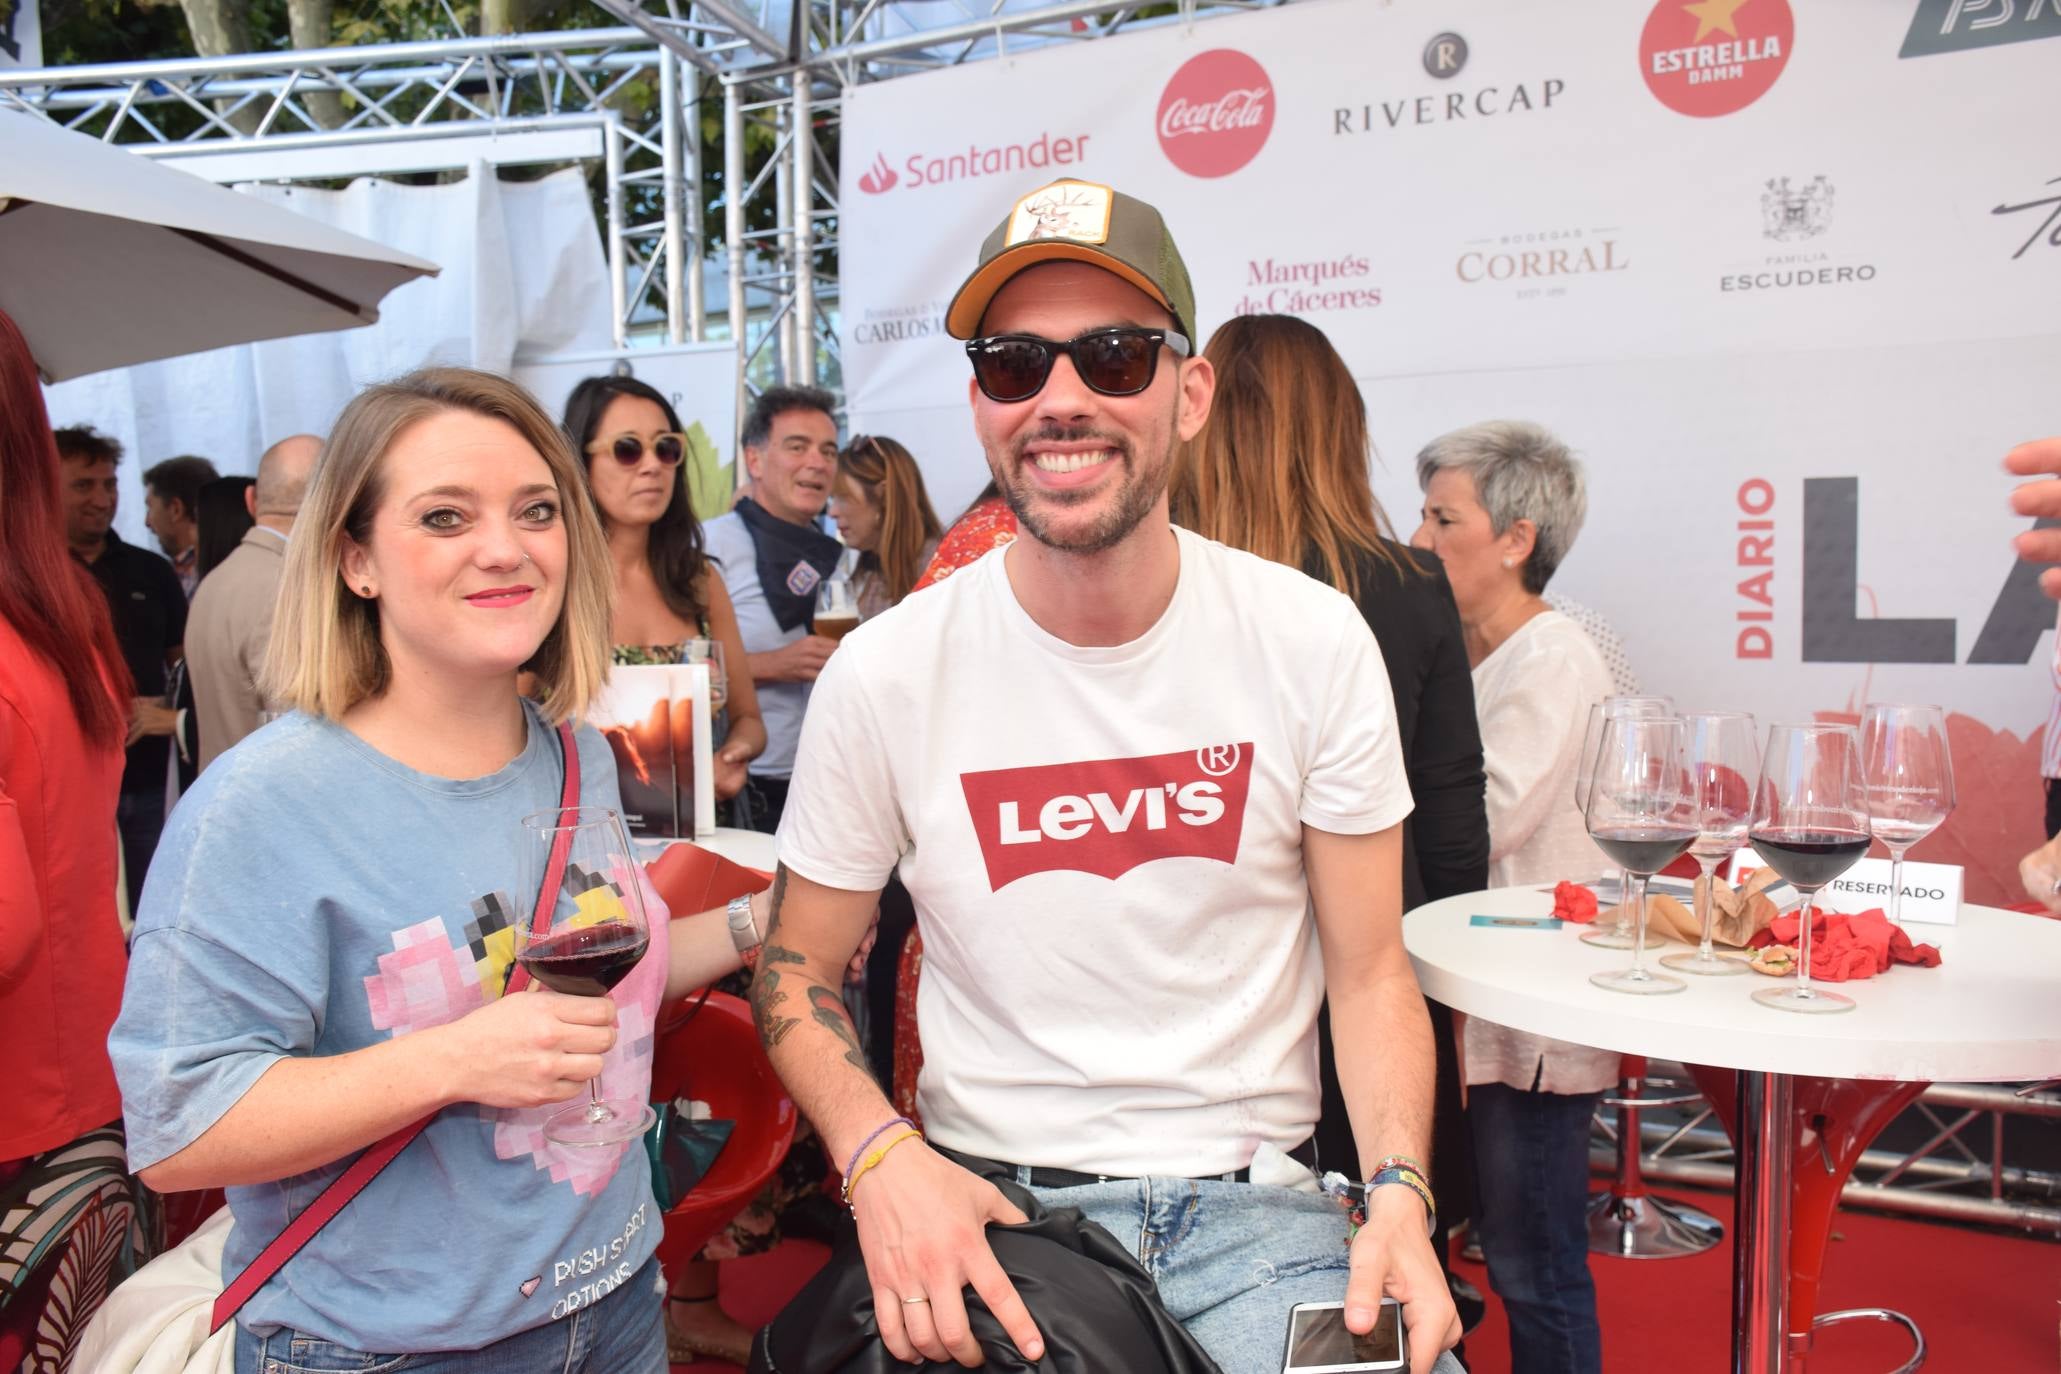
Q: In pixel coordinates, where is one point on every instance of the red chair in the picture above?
(1836, 1119)
(1624, 1219)
(715, 1058)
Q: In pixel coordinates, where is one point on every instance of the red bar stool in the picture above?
(716, 1058)
(1835, 1120)
(1624, 1219)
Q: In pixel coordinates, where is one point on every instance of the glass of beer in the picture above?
(837, 609)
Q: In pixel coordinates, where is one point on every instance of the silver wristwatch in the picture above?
(744, 928)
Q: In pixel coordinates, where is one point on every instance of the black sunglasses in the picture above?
(1115, 362)
(628, 449)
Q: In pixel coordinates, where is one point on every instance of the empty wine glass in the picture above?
(1619, 935)
(1640, 814)
(1810, 822)
(593, 935)
(1910, 781)
(1724, 763)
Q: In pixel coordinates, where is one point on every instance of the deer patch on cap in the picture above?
(1076, 210)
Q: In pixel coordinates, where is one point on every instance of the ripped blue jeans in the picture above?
(1230, 1259)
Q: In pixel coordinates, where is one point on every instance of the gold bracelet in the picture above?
(874, 1158)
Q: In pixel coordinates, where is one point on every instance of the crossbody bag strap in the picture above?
(367, 1166)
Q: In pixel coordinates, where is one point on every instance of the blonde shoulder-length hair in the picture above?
(325, 654)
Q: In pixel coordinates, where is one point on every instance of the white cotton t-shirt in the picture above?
(1121, 972)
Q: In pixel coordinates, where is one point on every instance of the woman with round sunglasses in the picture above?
(882, 510)
(667, 594)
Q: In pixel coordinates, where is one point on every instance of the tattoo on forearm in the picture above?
(766, 997)
(831, 1016)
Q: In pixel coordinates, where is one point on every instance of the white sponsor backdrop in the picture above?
(1545, 233)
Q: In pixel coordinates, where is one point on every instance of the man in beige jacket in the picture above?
(231, 619)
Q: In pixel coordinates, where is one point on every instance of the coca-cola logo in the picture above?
(879, 177)
(1109, 816)
(1216, 113)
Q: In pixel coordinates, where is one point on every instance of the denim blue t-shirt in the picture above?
(310, 897)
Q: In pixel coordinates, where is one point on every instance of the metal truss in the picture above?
(627, 103)
(1958, 1172)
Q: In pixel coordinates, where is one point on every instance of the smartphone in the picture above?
(1318, 1342)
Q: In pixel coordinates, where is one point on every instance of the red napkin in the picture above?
(1573, 902)
(1849, 947)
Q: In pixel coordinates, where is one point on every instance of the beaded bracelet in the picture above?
(852, 1180)
(1401, 1162)
(875, 1134)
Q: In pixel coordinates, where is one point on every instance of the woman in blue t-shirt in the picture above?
(324, 937)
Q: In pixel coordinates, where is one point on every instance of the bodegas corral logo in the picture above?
(1955, 25)
(1216, 113)
(1543, 263)
(1715, 57)
(975, 160)
(1108, 816)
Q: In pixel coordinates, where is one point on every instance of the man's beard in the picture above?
(1135, 495)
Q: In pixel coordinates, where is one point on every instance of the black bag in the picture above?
(1094, 1304)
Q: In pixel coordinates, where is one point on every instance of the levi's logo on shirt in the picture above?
(1108, 816)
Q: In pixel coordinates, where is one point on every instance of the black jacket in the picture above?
(1446, 838)
(1093, 1302)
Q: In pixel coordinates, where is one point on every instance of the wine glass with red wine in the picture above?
(1642, 814)
(589, 940)
(1810, 822)
(1619, 935)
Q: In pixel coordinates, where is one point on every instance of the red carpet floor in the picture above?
(1988, 1303)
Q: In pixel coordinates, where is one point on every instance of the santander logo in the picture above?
(879, 177)
(1109, 816)
(1216, 113)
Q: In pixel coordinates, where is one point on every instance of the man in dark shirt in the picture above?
(150, 622)
(171, 502)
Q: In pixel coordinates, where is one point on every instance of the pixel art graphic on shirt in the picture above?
(432, 979)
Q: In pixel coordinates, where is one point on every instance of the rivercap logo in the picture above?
(879, 177)
(1790, 216)
(1109, 816)
(1705, 58)
(1445, 55)
(1216, 113)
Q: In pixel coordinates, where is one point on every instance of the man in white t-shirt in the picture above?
(1146, 793)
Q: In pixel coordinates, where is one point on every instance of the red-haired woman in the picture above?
(66, 1201)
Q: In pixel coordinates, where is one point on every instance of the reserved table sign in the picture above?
(1932, 892)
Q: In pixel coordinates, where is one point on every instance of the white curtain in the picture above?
(524, 275)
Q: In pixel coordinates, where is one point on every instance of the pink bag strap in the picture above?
(367, 1166)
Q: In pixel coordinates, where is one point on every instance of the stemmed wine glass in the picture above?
(1619, 936)
(1641, 814)
(1810, 822)
(1724, 761)
(589, 940)
(1910, 780)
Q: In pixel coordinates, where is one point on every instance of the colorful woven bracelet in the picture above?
(1408, 1178)
(852, 1181)
(878, 1131)
(1402, 1162)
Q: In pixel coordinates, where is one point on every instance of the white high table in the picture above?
(1990, 1013)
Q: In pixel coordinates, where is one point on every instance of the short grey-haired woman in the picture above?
(1503, 502)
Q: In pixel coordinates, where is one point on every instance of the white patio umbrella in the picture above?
(108, 259)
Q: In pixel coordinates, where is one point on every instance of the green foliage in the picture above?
(709, 482)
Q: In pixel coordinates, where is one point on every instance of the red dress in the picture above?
(988, 526)
(62, 957)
